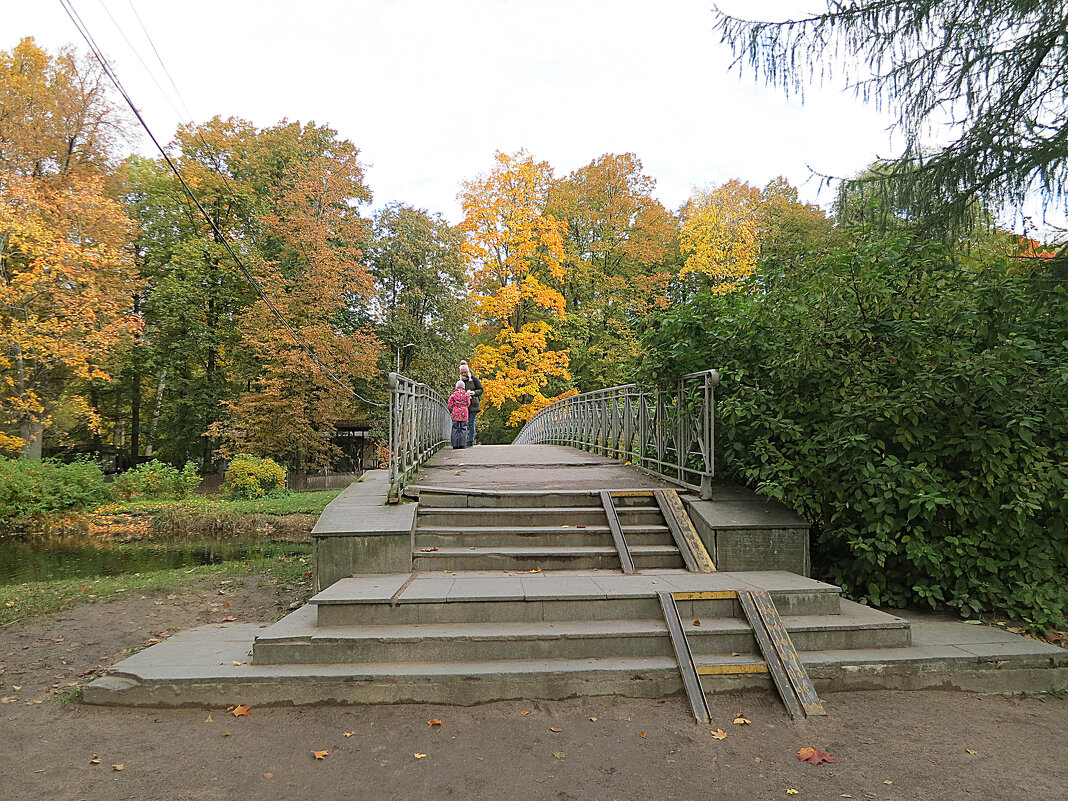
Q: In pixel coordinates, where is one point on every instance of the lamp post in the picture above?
(399, 349)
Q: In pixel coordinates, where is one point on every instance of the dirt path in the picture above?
(889, 746)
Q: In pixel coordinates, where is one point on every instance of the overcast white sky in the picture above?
(429, 89)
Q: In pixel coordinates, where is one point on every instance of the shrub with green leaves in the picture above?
(253, 477)
(911, 405)
(156, 479)
(31, 490)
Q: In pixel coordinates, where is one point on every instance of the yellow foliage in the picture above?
(721, 233)
(515, 254)
(66, 278)
(726, 231)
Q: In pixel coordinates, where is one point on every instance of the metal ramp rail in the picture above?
(780, 657)
(678, 521)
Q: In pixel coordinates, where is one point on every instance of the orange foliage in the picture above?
(311, 268)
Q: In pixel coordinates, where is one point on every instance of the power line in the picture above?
(76, 19)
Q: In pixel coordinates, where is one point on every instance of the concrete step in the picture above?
(546, 557)
(208, 666)
(488, 596)
(474, 499)
(440, 499)
(549, 536)
(525, 516)
(298, 640)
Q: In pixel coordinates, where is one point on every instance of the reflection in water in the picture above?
(44, 559)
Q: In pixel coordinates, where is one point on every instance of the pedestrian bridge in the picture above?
(598, 555)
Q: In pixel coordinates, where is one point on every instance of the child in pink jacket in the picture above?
(458, 402)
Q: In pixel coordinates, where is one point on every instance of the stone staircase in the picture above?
(483, 594)
(479, 636)
(551, 531)
(521, 594)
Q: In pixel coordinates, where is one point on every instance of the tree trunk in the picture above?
(32, 433)
(157, 407)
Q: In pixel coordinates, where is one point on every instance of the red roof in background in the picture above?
(1029, 249)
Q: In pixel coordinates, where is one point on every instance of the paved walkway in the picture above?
(531, 468)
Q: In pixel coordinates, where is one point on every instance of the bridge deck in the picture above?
(530, 468)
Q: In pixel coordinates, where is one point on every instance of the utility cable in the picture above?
(219, 236)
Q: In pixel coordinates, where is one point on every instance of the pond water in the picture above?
(66, 558)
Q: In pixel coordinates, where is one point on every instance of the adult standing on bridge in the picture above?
(474, 389)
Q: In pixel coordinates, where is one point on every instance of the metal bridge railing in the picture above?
(668, 432)
(419, 424)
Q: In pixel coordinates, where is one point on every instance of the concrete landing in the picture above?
(531, 468)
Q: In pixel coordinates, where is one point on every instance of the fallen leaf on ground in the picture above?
(171, 597)
(719, 734)
(814, 756)
(94, 761)
(419, 756)
(973, 753)
(228, 620)
(555, 728)
(641, 734)
(235, 662)
(525, 712)
(226, 734)
(320, 754)
(791, 791)
(349, 733)
(887, 781)
(741, 720)
(8, 699)
(241, 711)
(973, 622)
(456, 473)
(120, 766)
(594, 719)
(427, 550)
(433, 722)
(559, 754)
(209, 719)
(268, 775)
(697, 622)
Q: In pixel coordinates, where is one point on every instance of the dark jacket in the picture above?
(474, 386)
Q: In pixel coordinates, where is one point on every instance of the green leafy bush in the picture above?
(252, 477)
(157, 479)
(911, 406)
(30, 490)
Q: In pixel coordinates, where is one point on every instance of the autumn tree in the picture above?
(621, 247)
(721, 234)
(420, 311)
(308, 185)
(195, 293)
(66, 272)
(732, 230)
(514, 252)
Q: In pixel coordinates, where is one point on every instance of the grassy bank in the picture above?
(288, 519)
(24, 601)
(308, 503)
